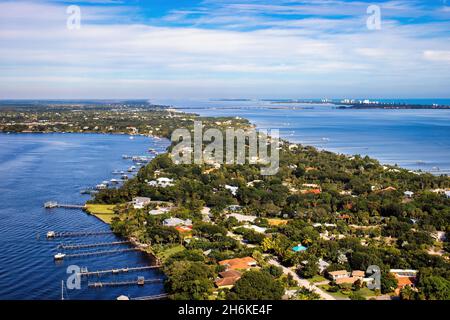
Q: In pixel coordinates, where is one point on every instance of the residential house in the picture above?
(242, 217)
(227, 279)
(232, 189)
(405, 277)
(339, 274)
(311, 191)
(140, 202)
(344, 277)
(358, 274)
(159, 211)
(323, 265)
(161, 182)
(245, 263)
(408, 194)
(255, 228)
(175, 222)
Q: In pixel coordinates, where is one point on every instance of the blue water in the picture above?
(39, 167)
(414, 139)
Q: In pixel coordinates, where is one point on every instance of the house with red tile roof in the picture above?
(227, 279)
(239, 263)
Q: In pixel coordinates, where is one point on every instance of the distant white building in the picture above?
(141, 202)
(175, 222)
(447, 194)
(242, 217)
(234, 208)
(161, 182)
(255, 228)
(158, 211)
(232, 189)
(408, 194)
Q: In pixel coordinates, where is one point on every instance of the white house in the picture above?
(255, 228)
(408, 194)
(335, 275)
(140, 202)
(242, 217)
(447, 194)
(161, 182)
(232, 189)
(174, 222)
(323, 265)
(158, 211)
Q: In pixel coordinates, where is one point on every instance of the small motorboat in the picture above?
(59, 256)
(51, 234)
(101, 186)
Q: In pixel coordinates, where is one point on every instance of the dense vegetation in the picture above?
(359, 217)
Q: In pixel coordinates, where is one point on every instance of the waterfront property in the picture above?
(161, 182)
(141, 202)
(175, 222)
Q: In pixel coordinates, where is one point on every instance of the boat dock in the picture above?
(54, 204)
(154, 297)
(91, 245)
(95, 253)
(116, 271)
(140, 281)
(53, 234)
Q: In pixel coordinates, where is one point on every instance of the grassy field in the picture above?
(164, 254)
(104, 212)
(317, 279)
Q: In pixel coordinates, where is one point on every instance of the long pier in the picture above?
(154, 297)
(139, 281)
(52, 234)
(95, 253)
(91, 245)
(54, 204)
(116, 271)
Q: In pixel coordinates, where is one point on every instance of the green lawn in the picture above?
(366, 292)
(317, 279)
(164, 254)
(337, 295)
(104, 212)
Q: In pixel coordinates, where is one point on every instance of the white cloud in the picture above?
(39, 56)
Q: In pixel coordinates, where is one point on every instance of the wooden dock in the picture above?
(77, 234)
(116, 271)
(154, 297)
(54, 204)
(95, 253)
(91, 245)
(140, 281)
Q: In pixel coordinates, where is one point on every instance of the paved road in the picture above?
(302, 282)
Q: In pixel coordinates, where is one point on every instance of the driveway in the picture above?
(302, 282)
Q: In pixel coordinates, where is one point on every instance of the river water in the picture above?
(35, 168)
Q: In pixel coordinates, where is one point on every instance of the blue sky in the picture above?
(218, 49)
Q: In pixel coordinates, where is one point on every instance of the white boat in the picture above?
(100, 186)
(59, 256)
(114, 181)
(51, 234)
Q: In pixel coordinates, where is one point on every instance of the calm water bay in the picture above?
(414, 139)
(35, 168)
